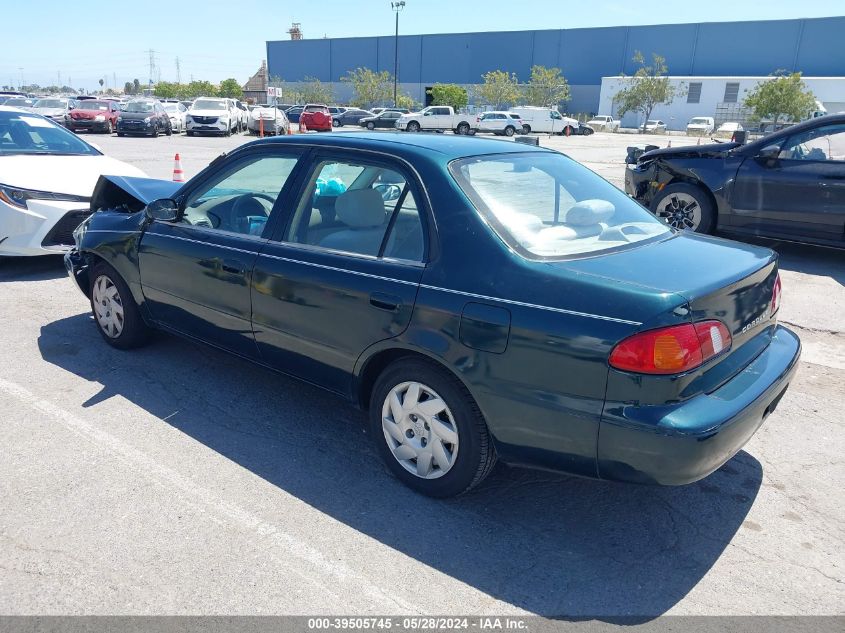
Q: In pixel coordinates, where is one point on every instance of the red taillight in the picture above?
(776, 292)
(671, 350)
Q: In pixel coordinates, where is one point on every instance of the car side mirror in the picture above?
(165, 210)
(768, 154)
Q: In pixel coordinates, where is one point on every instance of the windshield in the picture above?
(699, 122)
(545, 205)
(51, 103)
(22, 133)
(171, 107)
(93, 105)
(139, 106)
(208, 104)
(20, 103)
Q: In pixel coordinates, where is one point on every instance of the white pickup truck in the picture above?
(435, 118)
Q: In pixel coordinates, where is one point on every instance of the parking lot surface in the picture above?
(178, 480)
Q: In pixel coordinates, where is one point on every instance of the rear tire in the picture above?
(442, 450)
(462, 129)
(526, 129)
(116, 314)
(686, 207)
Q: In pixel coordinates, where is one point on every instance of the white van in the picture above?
(544, 120)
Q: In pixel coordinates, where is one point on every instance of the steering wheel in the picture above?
(248, 207)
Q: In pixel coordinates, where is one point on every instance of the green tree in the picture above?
(406, 101)
(448, 95)
(128, 88)
(136, 87)
(785, 97)
(312, 90)
(200, 88)
(649, 87)
(168, 90)
(499, 89)
(370, 88)
(547, 87)
(230, 88)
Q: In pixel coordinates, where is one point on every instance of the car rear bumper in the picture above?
(684, 442)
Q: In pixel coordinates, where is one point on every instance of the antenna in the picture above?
(295, 31)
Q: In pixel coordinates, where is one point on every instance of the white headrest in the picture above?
(590, 212)
(360, 208)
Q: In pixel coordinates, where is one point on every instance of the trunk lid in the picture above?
(720, 279)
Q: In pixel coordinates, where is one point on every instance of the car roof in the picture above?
(408, 145)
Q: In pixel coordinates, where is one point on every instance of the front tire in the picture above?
(371, 126)
(413, 126)
(115, 311)
(685, 207)
(428, 429)
(509, 131)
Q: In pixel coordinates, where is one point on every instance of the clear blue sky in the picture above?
(72, 38)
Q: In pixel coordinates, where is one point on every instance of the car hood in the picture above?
(75, 175)
(115, 191)
(711, 150)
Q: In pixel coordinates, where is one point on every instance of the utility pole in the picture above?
(397, 8)
(21, 71)
(152, 64)
(114, 80)
(178, 72)
(59, 77)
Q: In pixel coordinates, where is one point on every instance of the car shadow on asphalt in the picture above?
(547, 543)
(41, 268)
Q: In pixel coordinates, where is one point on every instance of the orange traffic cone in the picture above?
(178, 174)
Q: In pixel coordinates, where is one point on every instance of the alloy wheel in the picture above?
(420, 430)
(680, 211)
(108, 306)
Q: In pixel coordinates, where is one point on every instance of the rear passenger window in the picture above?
(358, 208)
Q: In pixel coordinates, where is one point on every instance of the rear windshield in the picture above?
(316, 108)
(545, 205)
(699, 121)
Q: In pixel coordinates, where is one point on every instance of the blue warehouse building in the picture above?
(815, 47)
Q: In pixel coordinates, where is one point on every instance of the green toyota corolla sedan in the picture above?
(482, 299)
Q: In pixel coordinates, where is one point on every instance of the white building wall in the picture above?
(830, 91)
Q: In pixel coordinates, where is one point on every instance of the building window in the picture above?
(694, 92)
(731, 92)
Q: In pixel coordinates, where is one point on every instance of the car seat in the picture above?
(362, 211)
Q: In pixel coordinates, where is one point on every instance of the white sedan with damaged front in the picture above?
(47, 176)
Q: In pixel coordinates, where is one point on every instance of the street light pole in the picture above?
(397, 7)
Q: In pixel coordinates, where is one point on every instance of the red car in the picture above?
(317, 117)
(95, 116)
